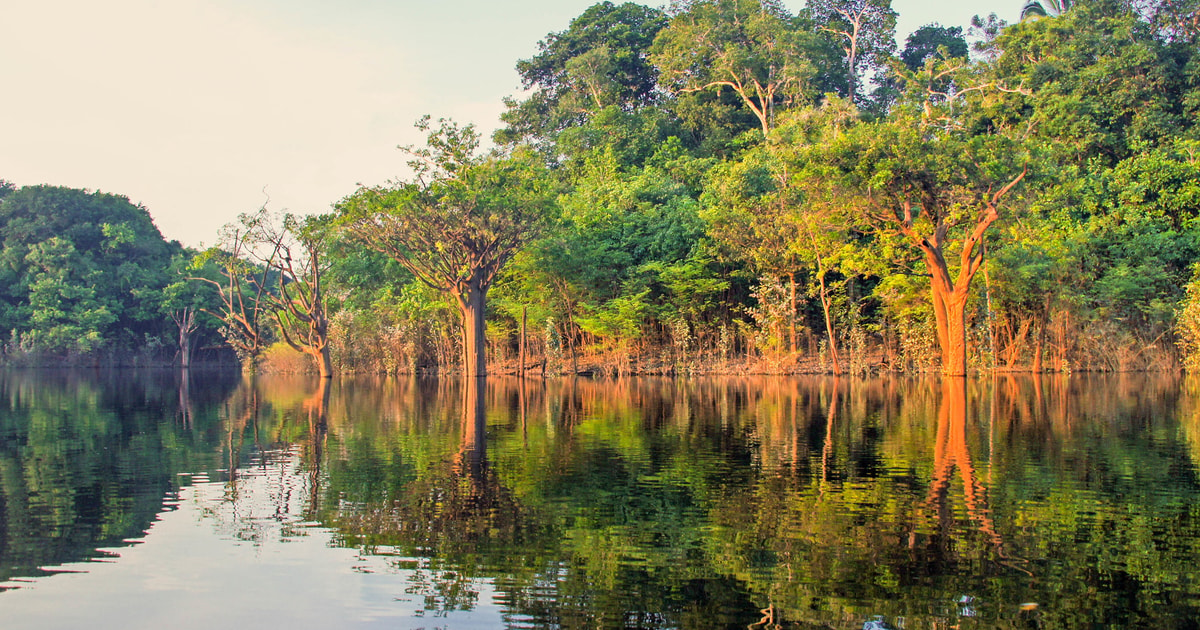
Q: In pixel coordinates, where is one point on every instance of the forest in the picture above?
(718, 186)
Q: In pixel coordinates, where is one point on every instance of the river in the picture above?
(157, 499)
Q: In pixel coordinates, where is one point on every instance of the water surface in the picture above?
(138, 500)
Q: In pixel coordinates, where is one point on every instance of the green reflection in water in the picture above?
(86, 460)
(753, 502)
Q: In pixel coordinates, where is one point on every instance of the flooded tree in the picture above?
(457, 222)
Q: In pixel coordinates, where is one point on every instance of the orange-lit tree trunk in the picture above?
(949, 292)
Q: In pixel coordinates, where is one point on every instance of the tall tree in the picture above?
(753, 47)
(932, 180)
(866, 29)
(458, 221)
(600, 61)
(297, 301)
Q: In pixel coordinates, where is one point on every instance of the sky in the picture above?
(199, 110)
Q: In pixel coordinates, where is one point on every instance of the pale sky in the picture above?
(193, 107)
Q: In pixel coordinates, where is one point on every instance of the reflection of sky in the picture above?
(252, 562)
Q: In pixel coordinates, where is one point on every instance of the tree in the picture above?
(932, 40)
(458, 221)
(600, 61)
(753, 47)
(80, 271)
(65, 313)
(182, 301)
(866, 30)
(931, 180)
(244, 305)
(1175, 20)
(297, 302)
(771, 209)
(1095, 84)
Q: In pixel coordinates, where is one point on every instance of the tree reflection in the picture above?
(951, 452)
(660, 502)
(316, 408)
(87, 460)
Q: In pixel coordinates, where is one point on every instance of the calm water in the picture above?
(140, 500)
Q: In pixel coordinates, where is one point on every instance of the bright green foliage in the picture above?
(1097, 273)
(627, 253)
(753, 47)
(64, 314)
(458, 222)
(1099, 87)
(1187, 325)
(80, 272)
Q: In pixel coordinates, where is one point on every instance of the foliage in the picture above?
(458, 222)
(931, 41)
(683, 188)
(82, 273)
(600, 61)
(753, 47)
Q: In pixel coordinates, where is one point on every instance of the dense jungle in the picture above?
(717, 186)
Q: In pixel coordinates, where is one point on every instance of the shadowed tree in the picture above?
(930, 41)
(600, 61)
(458, 221)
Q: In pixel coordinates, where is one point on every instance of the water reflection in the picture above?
(706, 503)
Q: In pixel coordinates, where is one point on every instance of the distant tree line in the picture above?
(720, 185)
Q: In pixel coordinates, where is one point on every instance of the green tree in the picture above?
(458, 222)
(934, 183)
(183, 301)
(64, 312)
(753, 47)
(932, 40)
(80, 272)
(600, 61)
(866, 31)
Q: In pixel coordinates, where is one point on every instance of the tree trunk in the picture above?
(185, 348)
(792, 313)
(185, 319)
(524, 353)
(1039, 346)
(956, 329)
(472, 452)
(950, 294)
(833, 351)
(324, 362)
(471, 301)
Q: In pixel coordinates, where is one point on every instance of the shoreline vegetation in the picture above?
(717, 187)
